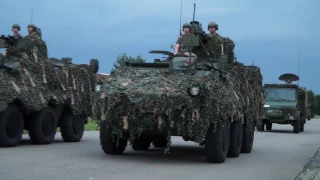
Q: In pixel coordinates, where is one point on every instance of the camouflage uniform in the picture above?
(216, 36)
(16, 36)
(36, 36)
(228, 44)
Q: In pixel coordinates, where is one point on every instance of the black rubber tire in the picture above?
(296, 126)
(94, 65)
(108, 141)
(247, 142)
(142, 143)
(72, 127)
(302, 122)
(11, 126)
(217, 144)
(236, 137)
(43, 126)
(159, 141)
(269, 126)
(261, 127)
(2, 58)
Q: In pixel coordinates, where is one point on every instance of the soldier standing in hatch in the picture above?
(180, 47)
(15, 29)
(213, 28)
(218, 40)
(32, 29)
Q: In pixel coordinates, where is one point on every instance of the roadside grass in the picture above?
(90, 126)
(316, 117)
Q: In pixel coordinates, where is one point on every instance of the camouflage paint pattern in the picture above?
(31, 79)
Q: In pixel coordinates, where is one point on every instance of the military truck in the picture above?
(285, 104)
(213, 102)
(39, 94)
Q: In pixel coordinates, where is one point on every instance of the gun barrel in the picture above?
(161, 52)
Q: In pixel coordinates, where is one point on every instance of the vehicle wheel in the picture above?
(269, 126)
(72, 127)
(43, 126)
(94, 65)
(302, 122)
(1, 59)
(159, 141)
(141, 143)
(261, 127)
(109, 142)
(11, 126)
(217, 144)
(236, 137)
(248, 138)
(296, 126)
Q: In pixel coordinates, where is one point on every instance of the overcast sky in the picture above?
(269, 33)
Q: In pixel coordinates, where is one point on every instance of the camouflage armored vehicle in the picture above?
(285, 104)
(39, 94)
(213, 102)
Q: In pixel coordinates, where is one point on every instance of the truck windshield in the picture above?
(279, 94)
(182, 63)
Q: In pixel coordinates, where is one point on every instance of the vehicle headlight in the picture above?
(98, 88)
(194, 91)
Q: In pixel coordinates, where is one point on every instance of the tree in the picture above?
(313, 99)
(121, 59)
(317, 106)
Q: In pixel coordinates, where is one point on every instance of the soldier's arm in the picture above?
(176, 49)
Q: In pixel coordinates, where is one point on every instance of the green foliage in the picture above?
(121, 59)
(314, 99)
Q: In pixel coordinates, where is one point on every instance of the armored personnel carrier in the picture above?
(285, 104)
(39, 94)
(215, 102)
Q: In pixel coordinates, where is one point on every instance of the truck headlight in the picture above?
(194, 91)
(98, 88)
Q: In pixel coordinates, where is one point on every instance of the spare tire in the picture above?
(94, 65)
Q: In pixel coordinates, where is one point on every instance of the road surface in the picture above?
(277, 155)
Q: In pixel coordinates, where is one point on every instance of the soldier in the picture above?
(15, 29)
(213, 28)
(180, 48)
(32, 30)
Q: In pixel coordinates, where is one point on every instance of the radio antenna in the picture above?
(194, 10)
(299, 68)
(31, 16)
(180, 18)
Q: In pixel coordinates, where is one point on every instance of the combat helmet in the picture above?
(16, 26)
(213, 24)
(33, 27)
(186, 25)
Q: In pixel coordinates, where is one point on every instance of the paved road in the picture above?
(277, 155)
